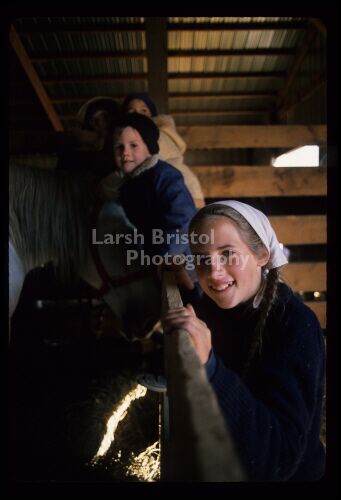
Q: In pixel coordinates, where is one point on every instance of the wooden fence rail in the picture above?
(200, 447)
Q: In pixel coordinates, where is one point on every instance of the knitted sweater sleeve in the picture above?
(271, 429)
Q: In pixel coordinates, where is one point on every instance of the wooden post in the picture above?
(156, 39)
(200, 445)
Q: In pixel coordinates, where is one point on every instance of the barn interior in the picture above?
(243, 91)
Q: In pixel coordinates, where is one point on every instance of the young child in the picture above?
(172, 146)
(153, 195)
(263, 349)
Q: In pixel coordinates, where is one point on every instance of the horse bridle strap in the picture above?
(109, 282)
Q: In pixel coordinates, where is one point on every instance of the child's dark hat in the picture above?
(145, 127)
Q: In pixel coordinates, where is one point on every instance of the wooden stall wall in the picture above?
(265, 184)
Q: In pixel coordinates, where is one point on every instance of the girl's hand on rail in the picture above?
(184, 318)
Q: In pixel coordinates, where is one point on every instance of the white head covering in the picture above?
(261, 224)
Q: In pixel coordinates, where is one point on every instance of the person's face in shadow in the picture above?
(139, 106)
(100, 122)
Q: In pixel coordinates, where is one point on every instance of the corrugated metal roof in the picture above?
(49, 36)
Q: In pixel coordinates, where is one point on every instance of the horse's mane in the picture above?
(48, 217)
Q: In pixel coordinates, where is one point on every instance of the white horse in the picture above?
(50, 221)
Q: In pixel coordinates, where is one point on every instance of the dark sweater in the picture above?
(275, 415)
(159, 199)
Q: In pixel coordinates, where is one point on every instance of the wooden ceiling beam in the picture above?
(156, 43)
(40, 57)
(35, 80)
(196, 112)
(174, 96)
(171, 76)
(34, 29)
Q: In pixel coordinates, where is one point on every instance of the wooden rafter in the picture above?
(200, 112)
(172, 96)
(40, 57)
(181, 96)
(171, 76)
(35, 80)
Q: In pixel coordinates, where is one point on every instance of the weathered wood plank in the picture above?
(200, 447)
(236, 181)
(320, 309)
(306, 276)
(252, 136)
(300, 229)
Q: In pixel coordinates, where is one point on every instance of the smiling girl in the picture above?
(262, 348)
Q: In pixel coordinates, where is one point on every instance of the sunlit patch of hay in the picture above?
(146, 465)
(118, 414)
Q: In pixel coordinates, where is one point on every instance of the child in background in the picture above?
(88, 150)
(263, 349)
(153, 195)
(172, 146)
